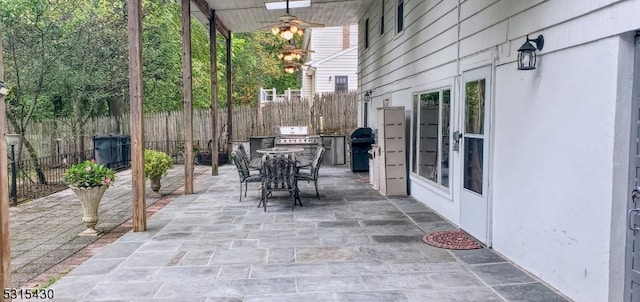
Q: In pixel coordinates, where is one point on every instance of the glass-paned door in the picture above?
(476, 101)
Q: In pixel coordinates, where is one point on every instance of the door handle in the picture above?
(632, 225)
(457, 135)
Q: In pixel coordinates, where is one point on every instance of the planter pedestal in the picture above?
(155, 183)
(90, 200)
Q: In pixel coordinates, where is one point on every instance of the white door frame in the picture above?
(475, 209)
(632, 275)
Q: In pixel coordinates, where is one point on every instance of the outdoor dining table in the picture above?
(301, 162)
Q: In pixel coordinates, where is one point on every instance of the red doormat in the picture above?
(453, 240)
(362, 180)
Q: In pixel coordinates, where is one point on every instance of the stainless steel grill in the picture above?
(298, 137)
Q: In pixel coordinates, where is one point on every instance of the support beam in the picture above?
(208, 11)
(136, 112)
(213, 53)
(229, 100)
(5, 244)
(188, 108)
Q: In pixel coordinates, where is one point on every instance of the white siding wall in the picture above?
(326, 43)
(553, 128)
(344, 65)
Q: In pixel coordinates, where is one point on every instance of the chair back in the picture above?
(244, 154)
(317, 161)
(279, 173)
(241, 165)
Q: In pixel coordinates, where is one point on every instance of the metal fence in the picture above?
(35, 178)
(40, 177)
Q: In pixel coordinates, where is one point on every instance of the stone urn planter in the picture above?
(156, 165)
(155, 183)
(89, 180)
(90, 200)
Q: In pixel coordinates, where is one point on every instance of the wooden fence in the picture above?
(335, 112)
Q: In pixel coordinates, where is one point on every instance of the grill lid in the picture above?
(292, 131)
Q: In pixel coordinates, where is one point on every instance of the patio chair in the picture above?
(279, 175)
(243, 172)
(254, 164)
(312, 175)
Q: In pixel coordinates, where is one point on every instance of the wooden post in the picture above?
(136, 108)
(213, 53)
(188, 108)
(5, 244)
(229, 100)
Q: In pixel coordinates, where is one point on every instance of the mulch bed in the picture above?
(453, 240)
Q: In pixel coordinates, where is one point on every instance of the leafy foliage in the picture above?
(89, 174)
(156, 163)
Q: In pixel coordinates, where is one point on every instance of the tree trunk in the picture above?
(42, 179)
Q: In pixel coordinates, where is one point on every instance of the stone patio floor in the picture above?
(352, 244)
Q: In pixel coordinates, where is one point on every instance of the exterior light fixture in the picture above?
(4, 90)
(527, 53)
(367, 96)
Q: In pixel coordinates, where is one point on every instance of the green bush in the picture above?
(156, 163)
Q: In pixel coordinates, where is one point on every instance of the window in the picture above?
(342, 83)
(400, 16)
(366, 33)
(430, 138)
(382, 18)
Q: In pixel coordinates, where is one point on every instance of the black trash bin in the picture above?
(113, 151)
(360, 141)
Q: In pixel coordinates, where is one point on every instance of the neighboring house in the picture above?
(333, 64)
(538, 164)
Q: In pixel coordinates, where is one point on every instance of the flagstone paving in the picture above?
(44, 232)
(352, 244)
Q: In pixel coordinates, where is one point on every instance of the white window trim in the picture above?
(435, 186)
(395, 19)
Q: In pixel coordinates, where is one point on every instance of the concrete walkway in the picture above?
(351, 245)
(44, 232)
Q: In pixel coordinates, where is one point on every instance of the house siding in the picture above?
(330, 59)
(344, 65)
(553, 129)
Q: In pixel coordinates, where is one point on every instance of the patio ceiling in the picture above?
(245, 15)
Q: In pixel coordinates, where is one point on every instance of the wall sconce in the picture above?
(329, 78)
(367, 96)
(4, 90)
(527, 53)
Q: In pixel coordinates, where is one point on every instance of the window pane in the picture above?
(473, 169)
(342, 83)
(474, 107)
(366, 33)
(414, 138)
(446, 137)
(429, 119)
(400, 15)
(382, 17)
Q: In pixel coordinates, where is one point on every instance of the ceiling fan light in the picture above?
(300, 32)
(298, 56)
(275, 30)
(293, 28)
(287, 35)
(288, 57)
(280, 56)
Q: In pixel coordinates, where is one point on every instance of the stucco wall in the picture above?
(553, 151)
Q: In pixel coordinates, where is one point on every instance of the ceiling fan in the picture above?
(290, 52)
(288, 25)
